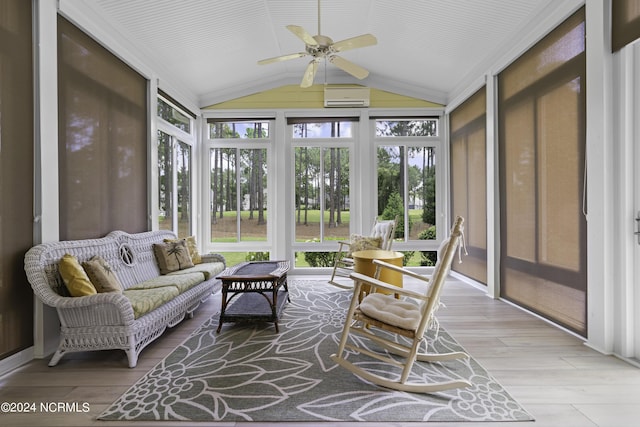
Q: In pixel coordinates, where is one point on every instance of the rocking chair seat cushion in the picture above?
(386, 308)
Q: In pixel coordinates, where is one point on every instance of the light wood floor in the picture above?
(559, 380)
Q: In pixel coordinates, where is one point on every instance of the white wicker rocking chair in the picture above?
(384, 230)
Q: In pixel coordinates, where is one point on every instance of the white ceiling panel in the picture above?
(211, 47)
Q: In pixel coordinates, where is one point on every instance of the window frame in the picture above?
(323, 245)
(442, 167)
(239, 144)
(177, 135)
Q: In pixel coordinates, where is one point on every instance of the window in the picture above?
(394, 128)
(407, 151)
(239, 130)
(174, 169)
(330, 129)
(321, 193)
(174, 175)
(174, 116)
(321, 187)
(238, 188)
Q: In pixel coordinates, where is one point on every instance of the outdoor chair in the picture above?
(381, 237)
(398, 326)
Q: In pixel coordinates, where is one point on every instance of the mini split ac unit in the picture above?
(346, 96)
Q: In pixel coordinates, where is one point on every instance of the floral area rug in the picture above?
(248, 372)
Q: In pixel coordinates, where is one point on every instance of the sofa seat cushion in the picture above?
(209, 269)
(144, 301)
(183, 282)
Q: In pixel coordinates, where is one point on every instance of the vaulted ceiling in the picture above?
(428, 49)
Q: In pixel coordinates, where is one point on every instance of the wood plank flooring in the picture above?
(559, 380)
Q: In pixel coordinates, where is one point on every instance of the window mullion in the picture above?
(405, 184)
(174, 185)
(322, 193)
(238, 195)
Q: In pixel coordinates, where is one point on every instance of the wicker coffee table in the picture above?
(258, 290)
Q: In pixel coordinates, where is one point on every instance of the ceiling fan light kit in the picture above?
(322, 47)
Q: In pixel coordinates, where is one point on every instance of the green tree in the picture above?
(184, 180)
(165, 174)
(395, 209)
(428, 187)
(428, 258)
(307, 188)
(389, 179)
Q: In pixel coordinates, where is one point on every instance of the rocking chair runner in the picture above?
(399, 317)
(382, 230)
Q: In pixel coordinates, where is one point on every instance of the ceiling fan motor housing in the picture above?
(322, 48)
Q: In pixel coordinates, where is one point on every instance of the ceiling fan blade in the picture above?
(310, 73)
(303, 35)
(282, 58)
(348, 66)
(355, 42)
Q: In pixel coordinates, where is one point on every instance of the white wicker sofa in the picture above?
(108, 320)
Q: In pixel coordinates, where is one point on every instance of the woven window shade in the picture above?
(16, 174)
(625, 23)
(102, 139)
(468, 181)
(542, 146)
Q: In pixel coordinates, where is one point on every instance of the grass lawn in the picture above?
(225, 231)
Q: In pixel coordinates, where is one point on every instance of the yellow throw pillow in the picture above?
(75, 278)
(192, 246)
(101, 275)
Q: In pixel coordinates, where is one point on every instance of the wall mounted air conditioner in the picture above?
(346, 96)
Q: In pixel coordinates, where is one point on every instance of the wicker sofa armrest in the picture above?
(213, 257)
(99, 309)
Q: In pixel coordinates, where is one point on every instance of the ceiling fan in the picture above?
(322, 47)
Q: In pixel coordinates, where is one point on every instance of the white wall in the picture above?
(625, 278)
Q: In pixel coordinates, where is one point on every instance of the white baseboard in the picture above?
(12, 362)
(468, 280)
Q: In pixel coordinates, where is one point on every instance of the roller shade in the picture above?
(625, 23)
